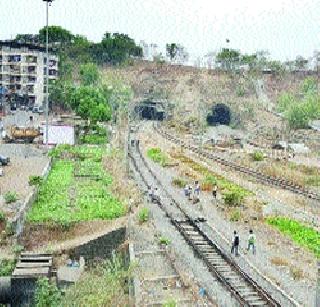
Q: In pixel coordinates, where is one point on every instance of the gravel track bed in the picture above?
(302, 290)
(184, 257)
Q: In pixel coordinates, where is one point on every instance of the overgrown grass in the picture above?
(178, 182)
(104, 285)
(156, 155)
(301, 234)
(212, 178)
(143, 215)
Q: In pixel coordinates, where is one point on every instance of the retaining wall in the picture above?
(101, 247)
(18, 220)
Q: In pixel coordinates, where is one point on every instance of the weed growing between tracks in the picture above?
(157, 156)
(303, 235)
(209, 179)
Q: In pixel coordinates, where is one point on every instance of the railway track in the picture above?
(270, 180)
(243, 288)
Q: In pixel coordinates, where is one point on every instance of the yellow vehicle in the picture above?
(22, 134)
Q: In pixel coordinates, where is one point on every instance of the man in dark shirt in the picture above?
(235, 244)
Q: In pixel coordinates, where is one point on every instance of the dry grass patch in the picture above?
(278, 261)
(296, 273)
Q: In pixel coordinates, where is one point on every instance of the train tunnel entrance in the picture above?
(150, 110)
(220, 115)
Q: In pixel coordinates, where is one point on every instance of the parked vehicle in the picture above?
(25, 134)
(4, 160)
(40, 110)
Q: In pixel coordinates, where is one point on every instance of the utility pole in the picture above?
(48, 3)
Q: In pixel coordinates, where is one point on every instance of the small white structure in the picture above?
(59, 134)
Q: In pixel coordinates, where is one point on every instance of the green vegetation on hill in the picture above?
(303, 235)
(300, 111)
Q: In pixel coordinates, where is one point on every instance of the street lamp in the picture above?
(48, 3)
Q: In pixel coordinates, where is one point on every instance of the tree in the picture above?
(301, 62)
(91, 104)
(89, 74)
(228, 57)
(27, 38)
(171, 50)
(56, 34)
(115, 48)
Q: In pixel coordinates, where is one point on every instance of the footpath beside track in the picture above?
(242, 287)
(269, 180)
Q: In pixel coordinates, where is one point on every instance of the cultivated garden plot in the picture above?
(77, 189)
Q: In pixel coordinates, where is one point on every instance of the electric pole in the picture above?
(48, 3)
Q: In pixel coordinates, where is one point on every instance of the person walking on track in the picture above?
(252, 241)
(235, 244)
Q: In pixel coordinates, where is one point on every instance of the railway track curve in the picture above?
(269, 180)
(243, 288)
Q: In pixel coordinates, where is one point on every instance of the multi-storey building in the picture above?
(23, 69)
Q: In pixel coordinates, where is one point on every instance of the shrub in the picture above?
(9, 229)
(10, 197)
(104, 285)
(257, 156)
(35, 180)
(285, 101)
(143, 215)
(164, 240)
(7, 266)
(156, 155)
(180, 183)
(235, 216)
(17, 249)
(233, 198)
(170, 303)
(2, 217)
(240, 91)
(47, 294)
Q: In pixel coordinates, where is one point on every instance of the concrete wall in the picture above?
(101, 247)
(18, 220)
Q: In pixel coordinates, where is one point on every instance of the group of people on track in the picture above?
(193, 194)
(236, 243)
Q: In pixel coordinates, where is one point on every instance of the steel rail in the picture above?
(270, 180)
(247, 292)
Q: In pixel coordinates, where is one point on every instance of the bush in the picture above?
(233, 198)
(285, 101)
(2, 217)
(104, 285)
(35, 180)
(235, 216)
(143, 215)
(10, 197)
(9, 230)
(170, 303)
(257, 156)
(240, 91)
(157, 156)
(7, 266)
(47, 294)
(309, 86)
(180, 183)
(164, 240)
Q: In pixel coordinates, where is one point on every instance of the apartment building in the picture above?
(23, 69)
